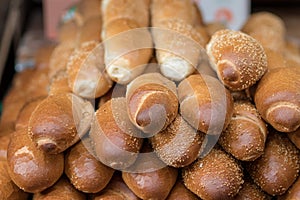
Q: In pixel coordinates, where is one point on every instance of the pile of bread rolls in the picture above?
(181, 110)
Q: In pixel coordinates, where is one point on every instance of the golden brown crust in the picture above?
(86, 71)
(277, 98)
(151, 185)
(91, 30)
(59, 84)
(61, 190)
(85, 171)
(246, 134)
(59, 121)
(179, 144)
(267, 28)
(151, 102)
(275, 59)
(87, 9)
(116, 140)
(251, 191)
(293, 193)
(239, 60)
(216, 176)
(135, 10)
(31, 169)
(8, 190)
(205, 103)
(180, 192)
(116, 190)
(68, 32)
(277, 169)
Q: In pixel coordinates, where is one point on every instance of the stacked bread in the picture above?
(202, 113)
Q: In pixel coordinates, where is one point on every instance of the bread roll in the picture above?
(116, 140)
(59, 121)
(151, 101)
(25, 113)
(128, 48)
(87, 9)
(59, 57)
(251, 191)
(91, 30)
(277, 169)
(85, 172)
(134, 10)
(213, 27)
(178, 46)
(246, 133)
(155, 182)
(30, 169)
(68, 32)
(295, 137)
(239, 60)
(115, 190)
(293, 192)
(205, 104)
(59, 84)
(215, 176)
(267, 28)
(8, 190)
(179, 144)
(180, 192)
(184, 10)
(61, 190)
(4, 141)
(86, 71)
(275, 59)
(43, 54)
(277, 98)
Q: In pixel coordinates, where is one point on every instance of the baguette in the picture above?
(216, 176)
(151, 101)
(30, 169)
(127, 41)
(277, 98)
(246, 134)
(61, 190)
(59, 121)
(179, 144)
(277, 169)
(239, 60)
(205, 104)
(84, 170)
(86, 71)
(116, 141)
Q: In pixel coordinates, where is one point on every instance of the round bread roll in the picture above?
(8, 190)
(246, 133)
(205, 103)
(179, 144)
(239, 60)
(30, 169)
(61, 190)
(59, 121)
(295, 137)
(251, 191)
(277, 169)
(180, 192)
(85, 172)
(267, 28)
(155, 184)
(293, 193)
(25, 113)
(116, 140)
(216, 176)
(86, 71)
(277, 98)
(151, 102)
(115, 190)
